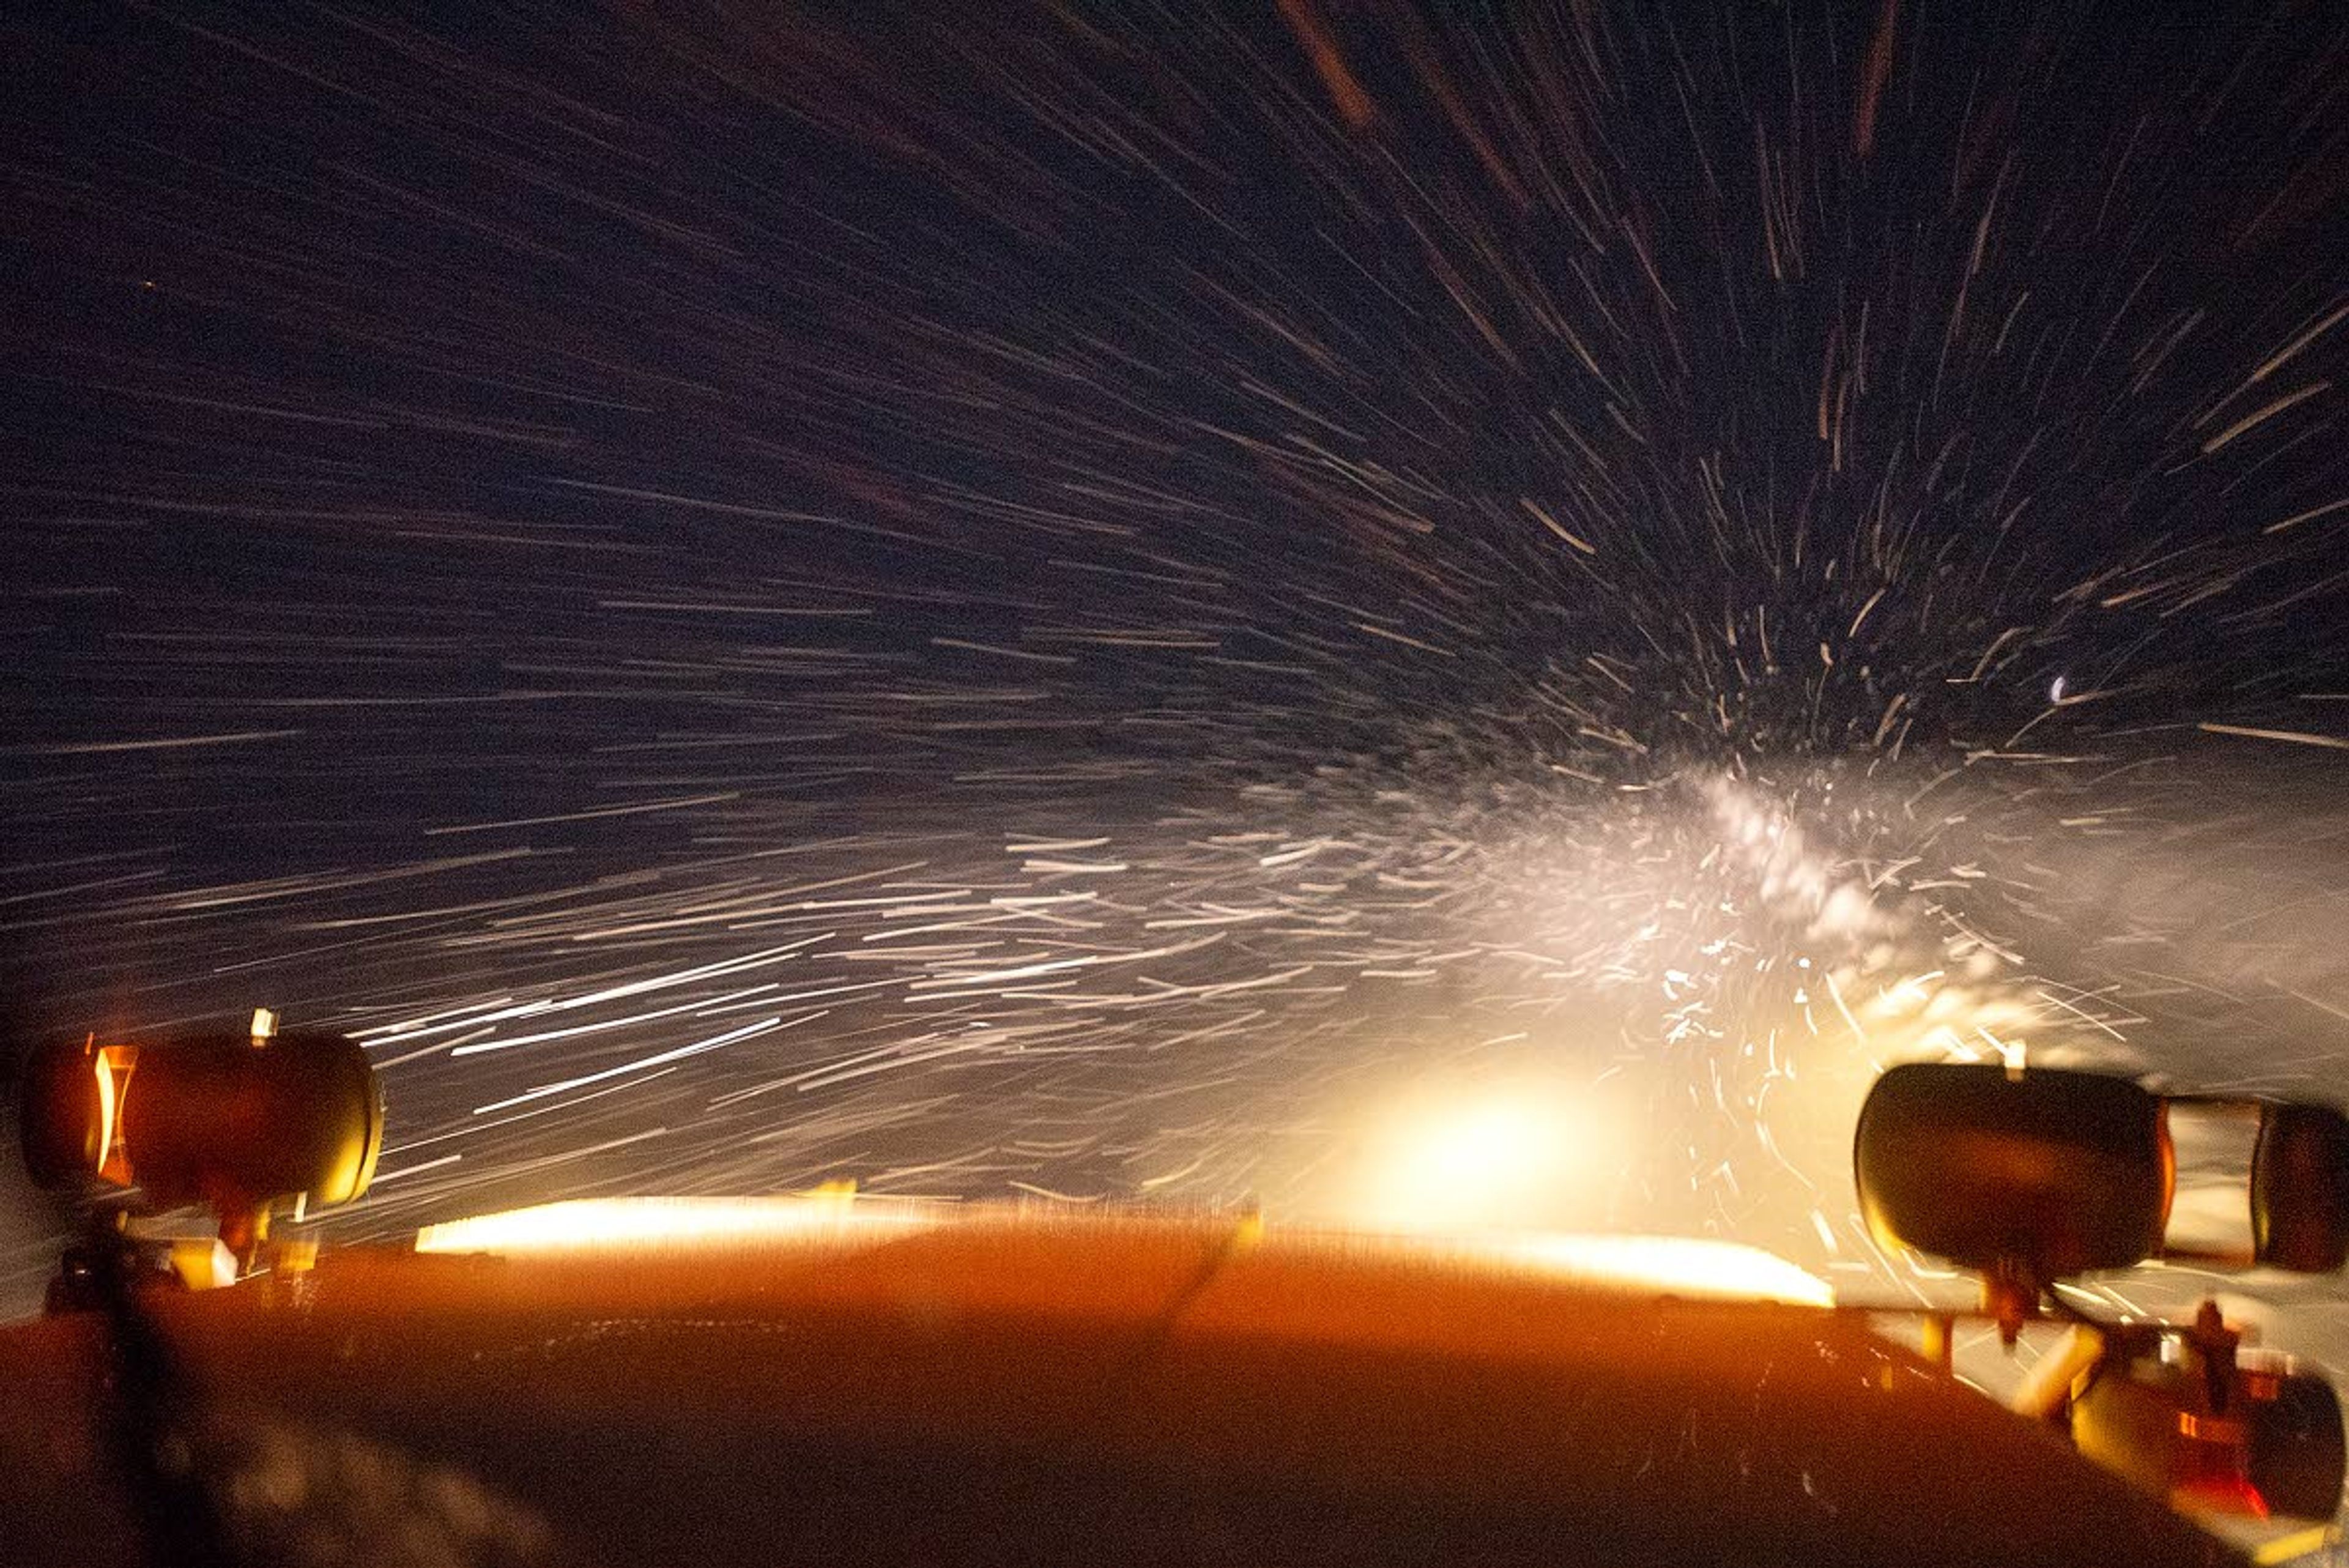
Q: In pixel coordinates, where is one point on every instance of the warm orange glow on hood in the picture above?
(647, 1224)
(1643, 1265)
(1669, 1265)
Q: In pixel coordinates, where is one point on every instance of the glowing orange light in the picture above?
(106, 1109)
(2222, 1494)
(112, 1067)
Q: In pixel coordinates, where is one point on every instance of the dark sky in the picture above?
(1106, 581)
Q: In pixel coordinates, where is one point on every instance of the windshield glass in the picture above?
(1431, 621)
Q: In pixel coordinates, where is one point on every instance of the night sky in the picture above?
(1077, 598)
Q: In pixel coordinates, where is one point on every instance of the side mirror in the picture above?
(2300, 1189)
(235, 1124)
(2036, 1173)
(2027, 1177)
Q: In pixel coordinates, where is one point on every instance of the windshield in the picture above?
(1422, 621)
